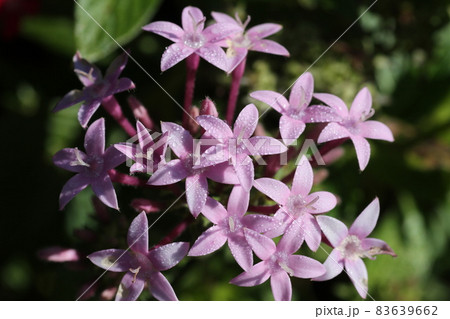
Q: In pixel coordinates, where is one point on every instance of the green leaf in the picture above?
(122, 20)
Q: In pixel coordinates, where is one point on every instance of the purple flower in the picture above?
(96, 88)
(192, 38)
(353, 124)
(140, 264)
(147, 154)
(278, 263)
(240, 42)
(295, 112)
(182, 144)
(298, 206)
(92, 167)
(351, 245)
(236, 145)
(229, 225)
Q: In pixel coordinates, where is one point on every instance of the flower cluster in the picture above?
(225, 153)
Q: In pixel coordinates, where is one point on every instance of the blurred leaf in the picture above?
(123, 20)
(55, 33)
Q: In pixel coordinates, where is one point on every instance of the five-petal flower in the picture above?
(141, 265)
(229, 225)
(353, 124)
(96, 88)
(92, 167)
(350, 245)
(278, 263)
(193, 39)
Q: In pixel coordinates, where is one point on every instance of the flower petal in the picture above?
(246, 122)
(305, 267)
(71, 98)
(323, 202)
(273, 99)
(87, 73)
(376, 247)
(219, 31)
(269, 46)
(211, 240)
(335, 102)
(290, 129)
(333, 131)
(313, 235)
(67, 159)
(361, 104)
(174, 54)
(137, 237)
(263, 246)
(94, 140)
(320, 114)
(238, 201)
(263, 30)
(223, 173)
(165, 29)
(245, 171)
(357, 272)
(113, 158)
(196, 193)
(214, 55)
(116, 260)
(121, 85)
(333, 229)
(264, 145)
(292, 238)
(214, 211)
(215, 127)
(160, 288)
(273, 188)
(104, 190)
(179, 140)
(222, 17)
(71, 188)
(281, 286)
(333, 266)
(260, 223)
(302, 91)
(256, 275)
(86, 111)
(190, 17)
(241, 251)
(362, 148)
(167, 256)
(376, 130)
(366, 221)
(303, 178)
(170, 173)
(116, 67)
(129, 288)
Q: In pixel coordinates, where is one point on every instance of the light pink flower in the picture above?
(229, 225)
(351, 245)
(140, 264)
(295, 112)
(354, 124)
(278, 263)
(298, 206)
(193, 39)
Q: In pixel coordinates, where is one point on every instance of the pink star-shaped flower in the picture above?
(351, 245)
(140, 264)
(96, 88)
(92, 167)
(239, 43)
(295, 112)
(229, 225)
(298, 206)
(193, 38)
(237, 144)
(182, 144)
(278, 263)
(354, 124)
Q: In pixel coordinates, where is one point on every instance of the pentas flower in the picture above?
(297, 205)
(278, 263)
(193, 38)
(147, 154)
(351, 245)
(237, 144)
(241, 42)
(229, 225)
(141, 265)
(295, 112)
(354, 124)
(182, 144)
(96, 88)
(92, 167)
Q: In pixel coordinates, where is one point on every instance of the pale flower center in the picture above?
(79, 161)
(298, 205)
(351, 248)
(279, 261)
(194, 40)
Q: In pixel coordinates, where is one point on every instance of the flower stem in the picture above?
(175, 232)
(192, 63)
(113, 108)
(236, 77)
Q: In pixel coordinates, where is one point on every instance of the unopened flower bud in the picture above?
(58, 254)
(192, 125)
(146, 205)
(208, 108)
(140, 112)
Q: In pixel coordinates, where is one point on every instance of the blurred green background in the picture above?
(399, 49)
